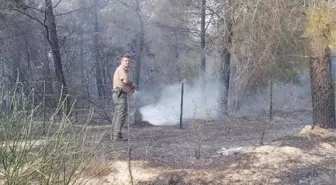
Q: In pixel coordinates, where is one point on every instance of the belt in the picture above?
(118, 91)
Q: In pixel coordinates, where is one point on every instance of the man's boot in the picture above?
(120, 138)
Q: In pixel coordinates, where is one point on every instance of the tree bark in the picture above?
(139, 47)
(225, 55)
(203, 59)
(177, 55)
(323, 98)
(98, 66)
(203, 36)
(53, 40)
(47, 73)
(81, 56)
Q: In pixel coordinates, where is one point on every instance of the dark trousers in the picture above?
(120, 113)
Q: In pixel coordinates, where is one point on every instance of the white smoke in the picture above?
(286, 97)
(201, 100)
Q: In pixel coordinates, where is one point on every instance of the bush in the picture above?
(31, 154)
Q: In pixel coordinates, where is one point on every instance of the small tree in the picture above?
(264, 41)
(321, 33)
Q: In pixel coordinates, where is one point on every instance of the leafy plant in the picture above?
(197, 131)
(29, 157)
(321, 24)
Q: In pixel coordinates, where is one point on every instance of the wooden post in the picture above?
(271, 101)
(33, 103)
(181, 108)
(44, 107)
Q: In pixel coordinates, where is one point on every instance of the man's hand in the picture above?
(127, 82)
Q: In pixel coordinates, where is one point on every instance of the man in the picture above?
(121, 86)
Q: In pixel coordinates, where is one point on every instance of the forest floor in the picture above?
(230, 153)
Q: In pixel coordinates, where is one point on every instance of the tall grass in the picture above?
(27, 156)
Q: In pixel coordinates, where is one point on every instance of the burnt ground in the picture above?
(173, 149)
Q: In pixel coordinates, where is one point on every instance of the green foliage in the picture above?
(321, 24)
(265, 39)
(29, 157)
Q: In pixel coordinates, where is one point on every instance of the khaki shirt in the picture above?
(120, 74)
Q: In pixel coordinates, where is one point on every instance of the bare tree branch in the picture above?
(72, 11)
(28, 15)
(65, 37)
(57, 4)
(46, 27)
(33, 8)
(191, 30)
(208, 23)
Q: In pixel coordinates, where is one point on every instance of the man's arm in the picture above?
(130, 84)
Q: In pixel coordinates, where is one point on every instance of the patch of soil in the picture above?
(311, 175)
(175, 178)
(169, 153)
(295, 141)
(170, 146)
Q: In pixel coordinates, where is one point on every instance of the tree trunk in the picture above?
(177, 55)
(17, 70)
(139, 47)
(225, 55)
(28, 58)
(53, 40)
(46, 73)
(203, 36)
(105, 76)
(98, 66)
(84, 83)
(323, 98)
(203, 66)
(81, 58)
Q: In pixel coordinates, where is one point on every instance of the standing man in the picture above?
(121, 87)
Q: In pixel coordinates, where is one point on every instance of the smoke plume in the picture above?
(201, 100)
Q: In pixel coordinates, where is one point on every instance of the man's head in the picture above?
(125, 61)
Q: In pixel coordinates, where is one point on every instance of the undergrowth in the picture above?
(32, 154)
